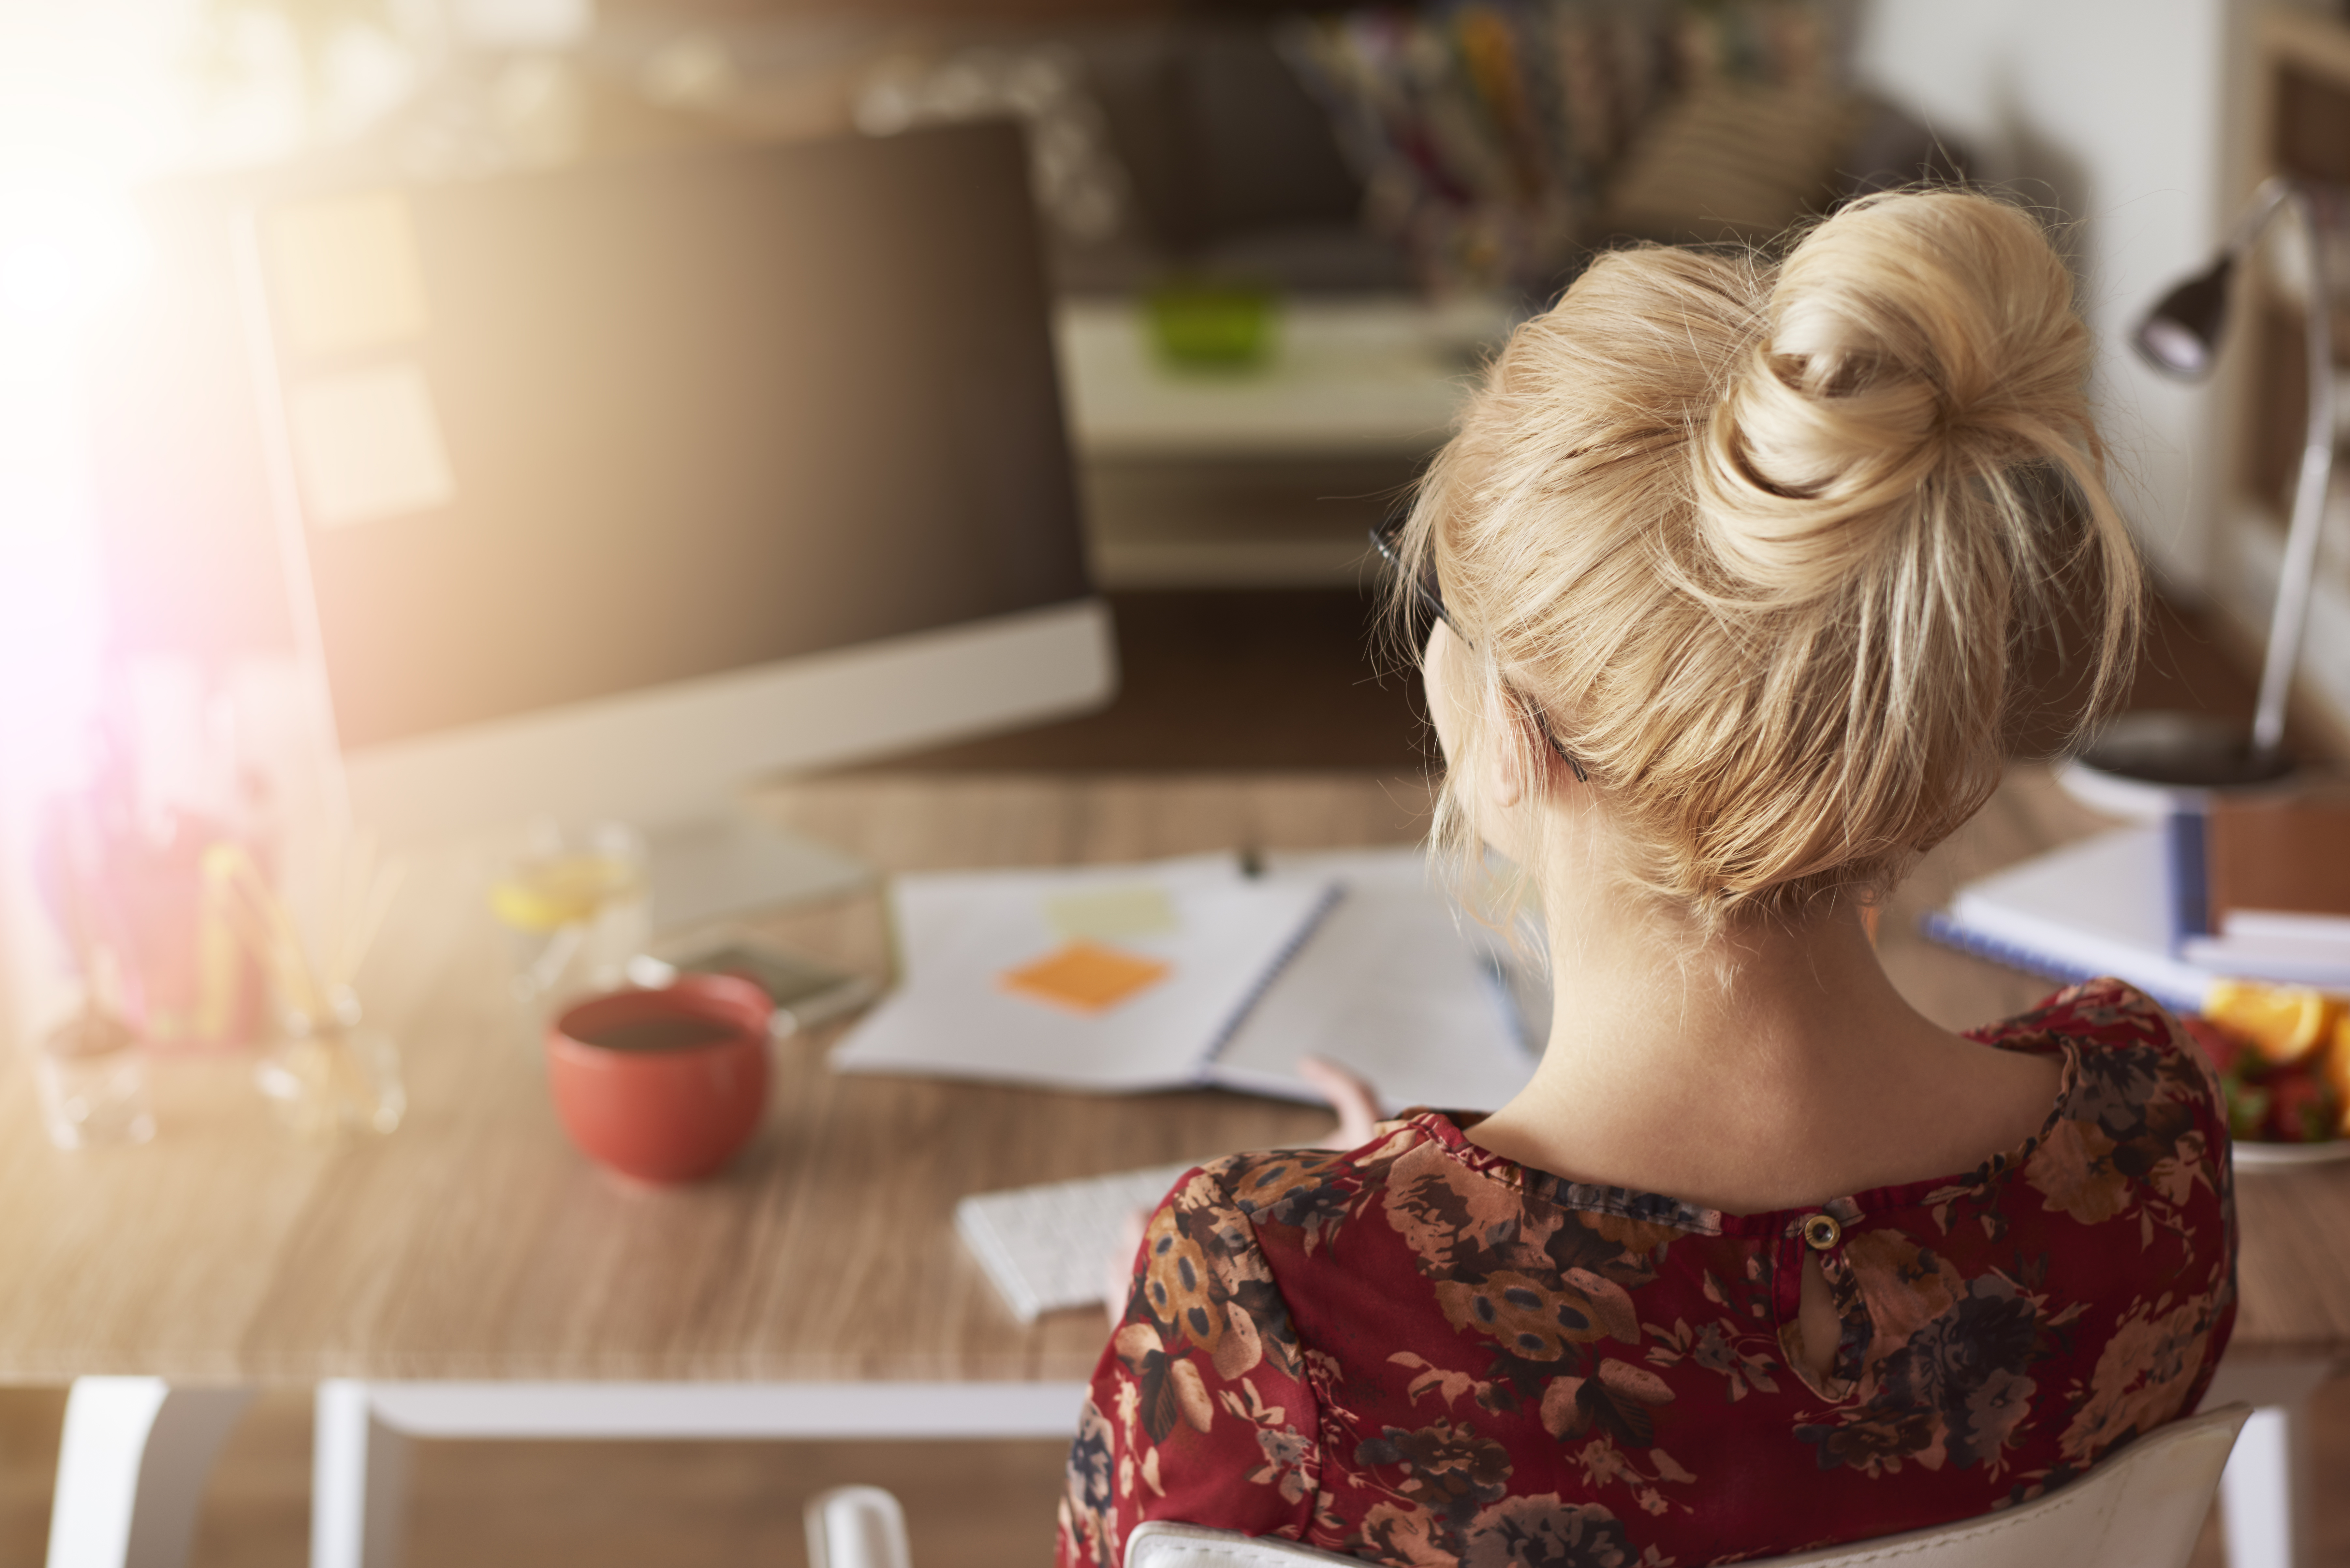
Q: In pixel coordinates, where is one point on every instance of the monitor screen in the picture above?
(569, 435)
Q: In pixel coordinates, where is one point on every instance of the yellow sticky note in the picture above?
(1085, 977)
(347, 273)
(1105, 914)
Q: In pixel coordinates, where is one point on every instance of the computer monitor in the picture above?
(607, 490)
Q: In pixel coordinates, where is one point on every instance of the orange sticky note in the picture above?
(1085, 977)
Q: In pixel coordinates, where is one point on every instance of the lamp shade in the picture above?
(2180, 335)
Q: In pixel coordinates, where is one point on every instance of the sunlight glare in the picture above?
(87, 107)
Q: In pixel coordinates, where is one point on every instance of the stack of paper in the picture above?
(1191, 972)
(2272, 897)
(2279, 947)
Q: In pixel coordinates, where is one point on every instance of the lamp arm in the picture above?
(2299, 569)
(2273, 193)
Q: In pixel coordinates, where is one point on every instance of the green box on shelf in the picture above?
(1212, 326)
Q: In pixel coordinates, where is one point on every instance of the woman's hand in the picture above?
(1117, 1268)
(1349, 1094)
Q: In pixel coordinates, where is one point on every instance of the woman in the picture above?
(1733, 561)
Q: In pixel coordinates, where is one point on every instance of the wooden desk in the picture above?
(816, 1288)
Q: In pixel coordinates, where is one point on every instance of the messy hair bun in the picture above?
(1911, 348)
(1764, 543)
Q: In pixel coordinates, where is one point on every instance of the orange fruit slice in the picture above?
(2284, 1023)
(565, 890)
(2336, 1070)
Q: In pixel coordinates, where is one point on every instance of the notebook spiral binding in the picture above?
(1941, 928)
(1289, 949)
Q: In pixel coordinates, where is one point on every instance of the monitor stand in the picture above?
(726, 864)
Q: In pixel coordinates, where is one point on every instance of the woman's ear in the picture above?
(1506, 760)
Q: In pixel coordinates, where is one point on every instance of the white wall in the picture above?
(2115, 113)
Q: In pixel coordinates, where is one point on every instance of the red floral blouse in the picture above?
(1421, 1353)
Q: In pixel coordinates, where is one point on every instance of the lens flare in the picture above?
(87, 105)
(65, 250)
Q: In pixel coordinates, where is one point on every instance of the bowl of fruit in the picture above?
(2283, 1056)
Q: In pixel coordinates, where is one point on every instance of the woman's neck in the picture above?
(1775, 1066)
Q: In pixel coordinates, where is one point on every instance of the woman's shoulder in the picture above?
(2101, 1015)
(1295, 1202)
(2128, 1058)
(1302, 1186)
(2137, 1140)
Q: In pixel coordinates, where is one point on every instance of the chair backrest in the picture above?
(2143, 1507)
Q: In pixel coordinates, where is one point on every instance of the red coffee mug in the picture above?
(662, 1086)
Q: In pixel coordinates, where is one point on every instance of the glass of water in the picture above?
(576, 904)
(335, 1075)
(92, 1078)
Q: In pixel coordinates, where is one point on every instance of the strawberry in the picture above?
(2300, 1110)
(2222, 1045)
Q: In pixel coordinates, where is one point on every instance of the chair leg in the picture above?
(358, 1481)
(857, 1527)
(2266, 1491)
(132, 1468)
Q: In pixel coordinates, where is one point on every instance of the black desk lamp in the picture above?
(2155, 755)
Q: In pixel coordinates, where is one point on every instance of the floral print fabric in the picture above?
(1419, 1352)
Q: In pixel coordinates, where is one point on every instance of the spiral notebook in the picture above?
(1101, 978)
(2100, 907)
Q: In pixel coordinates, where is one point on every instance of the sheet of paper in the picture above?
(961, 932)
(347, 273)
(368, 446)
(1394, 984)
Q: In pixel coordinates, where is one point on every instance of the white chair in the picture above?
(2141, 1509)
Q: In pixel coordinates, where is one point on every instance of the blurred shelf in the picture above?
(1238, 522)
(2315, 42)
(1349, 376)
(1270, 476)
(1125, 564)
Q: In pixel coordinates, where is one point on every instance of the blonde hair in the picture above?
(1761, 545)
